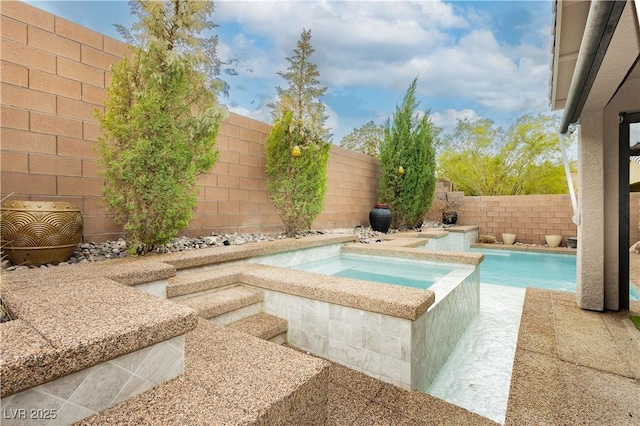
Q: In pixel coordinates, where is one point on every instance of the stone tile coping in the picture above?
(231, 378)
(139, 270)
(420, 238)
(67, 326)
(515, 247)
(457, 228)
(195, 258)
(415, 253)
(397, 301)
(195, 282)
(127, 271)
(210, 305)
(72, 317)
(262, 325)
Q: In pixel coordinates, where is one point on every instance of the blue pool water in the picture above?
(409, 273)
(530, 269)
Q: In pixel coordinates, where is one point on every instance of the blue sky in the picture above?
(473, 59)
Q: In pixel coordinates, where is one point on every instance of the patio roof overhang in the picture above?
(595, 46)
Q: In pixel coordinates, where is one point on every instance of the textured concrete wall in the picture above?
(590, 260)
(626, 99)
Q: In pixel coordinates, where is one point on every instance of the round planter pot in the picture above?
(553, 241)
(508, 238)
(39, 232)
(572, 242)
(450, 218)
(380, 218)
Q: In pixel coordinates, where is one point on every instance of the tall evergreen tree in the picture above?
(161, 120)
(303, 92)
(296, 149)
(407, 160)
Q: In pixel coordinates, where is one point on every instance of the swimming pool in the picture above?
(550, 271)
(405, 272)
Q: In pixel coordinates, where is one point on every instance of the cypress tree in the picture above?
(297, 184)
(407, 162)
(161, 121)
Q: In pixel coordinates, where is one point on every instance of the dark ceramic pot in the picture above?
(380, 218)
(449, 218)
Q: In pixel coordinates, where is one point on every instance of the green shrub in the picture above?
(408, 144)
(160, 123)
(636, 321)
(296, 185)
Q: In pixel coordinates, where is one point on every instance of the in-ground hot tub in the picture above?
(397, 271)
(407, 352)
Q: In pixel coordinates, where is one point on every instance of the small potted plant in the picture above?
(449, 209)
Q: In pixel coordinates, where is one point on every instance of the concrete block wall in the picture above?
(352, 189)
(530, 217)
(54, 74)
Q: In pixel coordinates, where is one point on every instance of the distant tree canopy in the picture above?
(482, 159)
(365, 139)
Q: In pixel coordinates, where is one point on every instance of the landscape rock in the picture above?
(95, 252)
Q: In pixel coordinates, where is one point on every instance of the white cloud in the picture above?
(333, 121)
(261, 114)
(247, 59)
(347, 35)
(489, 57)
(448, 119)
(453, 48)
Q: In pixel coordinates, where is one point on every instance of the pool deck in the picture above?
(571, 367)
(574, 366)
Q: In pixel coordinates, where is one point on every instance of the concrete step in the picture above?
(264, 326)
(226, 305)
(196, 282)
